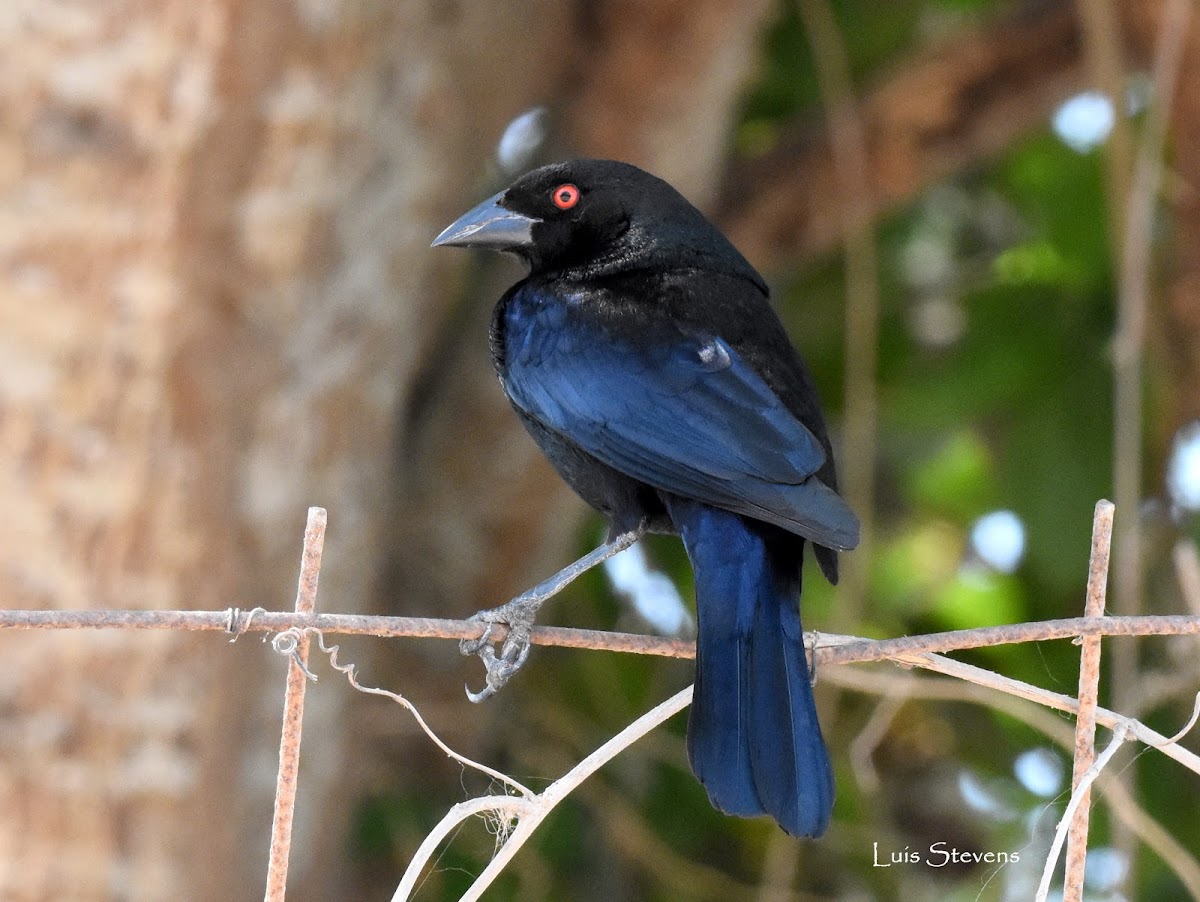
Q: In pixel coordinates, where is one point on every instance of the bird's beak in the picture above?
(489, 225)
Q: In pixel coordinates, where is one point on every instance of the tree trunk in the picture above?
(218, 302)
(218, 284)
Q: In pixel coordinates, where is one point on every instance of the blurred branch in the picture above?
(1161, 685)
(1082, 792)
(862, 749)
(1123, 805)
(1105, 61)
(850, 165)
(1130, 339)
(1187, 572)
(950, 106)
(679, 877)
(1177, 314)
(1156, 837)
(1133, 301)
(1058, 701)
(780, 865)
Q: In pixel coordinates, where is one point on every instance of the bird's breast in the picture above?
(537, 326)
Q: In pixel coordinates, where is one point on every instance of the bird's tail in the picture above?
(753, 737)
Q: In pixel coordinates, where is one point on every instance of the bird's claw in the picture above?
(517, 616)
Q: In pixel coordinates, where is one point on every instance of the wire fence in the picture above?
(520, 810)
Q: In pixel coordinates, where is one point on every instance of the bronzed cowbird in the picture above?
(643, 356)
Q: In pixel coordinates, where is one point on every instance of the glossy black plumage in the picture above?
(643, 356)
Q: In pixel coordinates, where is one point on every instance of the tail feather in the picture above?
(791, 766)
(718, 736)
(753, 737)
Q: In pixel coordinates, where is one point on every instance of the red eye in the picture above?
(565, 196)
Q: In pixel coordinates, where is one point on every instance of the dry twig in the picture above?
(1082, 790)
(1077, 797)
(531, 812)
(1123, 805)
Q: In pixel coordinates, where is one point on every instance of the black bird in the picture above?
(643, 356)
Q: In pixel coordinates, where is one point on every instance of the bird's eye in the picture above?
(565, 196)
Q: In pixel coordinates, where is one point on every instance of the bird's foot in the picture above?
(517, 616)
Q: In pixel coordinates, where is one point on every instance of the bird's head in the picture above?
(594, 216)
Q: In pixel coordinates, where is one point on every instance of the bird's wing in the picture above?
(693, 419)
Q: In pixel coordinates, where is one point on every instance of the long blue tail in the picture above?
(753, 737)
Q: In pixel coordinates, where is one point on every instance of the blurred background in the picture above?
(218, 305)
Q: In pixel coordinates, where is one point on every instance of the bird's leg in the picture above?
(812, 658)
(518, 616)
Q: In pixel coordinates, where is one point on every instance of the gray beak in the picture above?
(489, 225)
